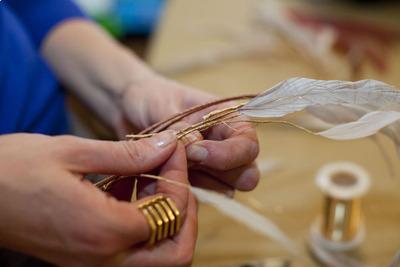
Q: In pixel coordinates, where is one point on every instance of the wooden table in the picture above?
(288, 195)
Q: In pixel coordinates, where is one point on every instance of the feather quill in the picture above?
(245, 215)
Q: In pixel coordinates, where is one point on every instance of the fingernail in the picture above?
(191, 138)
(248, 180)
(164, 139)
(196, 153)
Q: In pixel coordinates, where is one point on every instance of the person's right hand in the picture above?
(50, 212)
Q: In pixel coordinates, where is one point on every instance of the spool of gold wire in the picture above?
(341, 220)
(340, 226)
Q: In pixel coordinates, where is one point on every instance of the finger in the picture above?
(166, 253)
(243, 178)
(187, 237)
(189, 228)
(170, 253)
(123, 157)
(100, 224)
(207, 181)
(111, 226)
(190, 138)
(231, 128)
(234, 152)
(175, 169)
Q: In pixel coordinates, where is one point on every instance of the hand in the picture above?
(179, 250)
(49, 211)
(100, 77)
(152, 98)
(224, 161)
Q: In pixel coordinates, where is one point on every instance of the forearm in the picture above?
(92, 65)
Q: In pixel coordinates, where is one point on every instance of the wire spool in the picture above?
(340, 226)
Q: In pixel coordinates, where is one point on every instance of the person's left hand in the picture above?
(224, 161)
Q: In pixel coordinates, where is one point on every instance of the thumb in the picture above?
(122, 157)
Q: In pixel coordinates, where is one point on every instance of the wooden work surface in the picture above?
(287, 195)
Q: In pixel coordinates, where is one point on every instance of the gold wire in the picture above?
(221, 117)
(341, 219)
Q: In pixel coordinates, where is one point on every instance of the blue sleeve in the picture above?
(40, 16)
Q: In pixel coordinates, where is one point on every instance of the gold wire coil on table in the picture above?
(163, 217)
(342, 219)
(341, 225)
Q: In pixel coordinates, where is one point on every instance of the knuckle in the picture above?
(234, 157)
(252, 147)
(134, 150)
(66, 144)
(222, 159)
(226, 162)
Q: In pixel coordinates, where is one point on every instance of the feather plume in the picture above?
(299, 93)
(245, 215)
(340, 114)
(355, 109)
(367, 125)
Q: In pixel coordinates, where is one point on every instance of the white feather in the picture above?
(355, 109)
(339, 114)
(367, 125)
(245, 215)
(299, 93)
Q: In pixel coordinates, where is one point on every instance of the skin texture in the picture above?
(48, 211)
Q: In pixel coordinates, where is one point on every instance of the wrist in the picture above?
(136, 72)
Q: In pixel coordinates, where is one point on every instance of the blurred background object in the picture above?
(364, 30)
(124, 17)
(132, 22)
(324, 32)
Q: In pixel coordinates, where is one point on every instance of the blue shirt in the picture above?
(30, 96)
